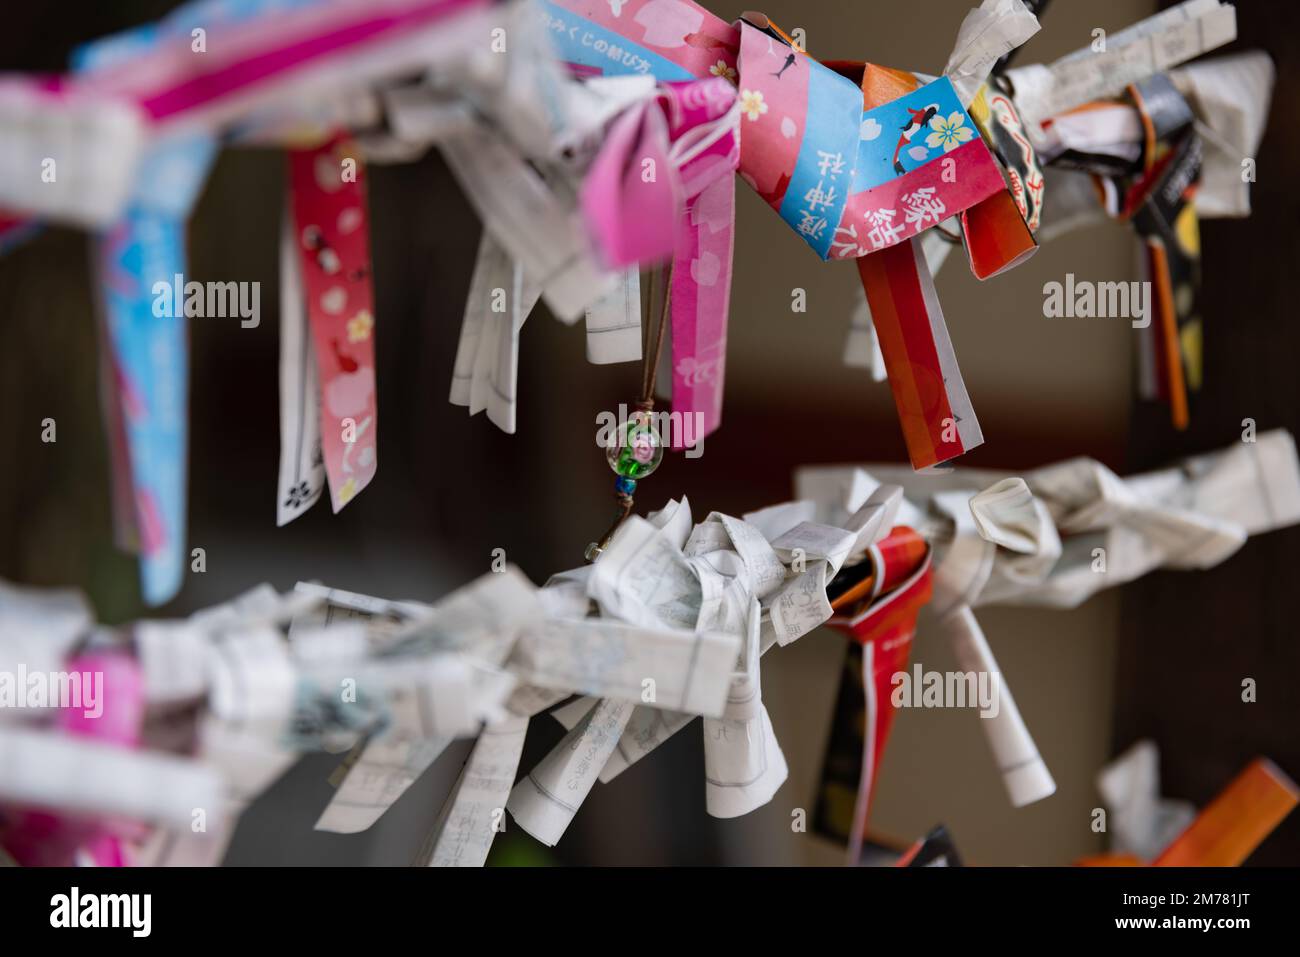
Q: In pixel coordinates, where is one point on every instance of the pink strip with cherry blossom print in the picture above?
(332, 237)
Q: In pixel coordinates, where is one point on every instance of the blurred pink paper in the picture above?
(44, 838)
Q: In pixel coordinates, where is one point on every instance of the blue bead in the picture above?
(624, 485)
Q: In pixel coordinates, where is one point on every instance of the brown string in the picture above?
(653, 354)
(652, 347)
(625, 502)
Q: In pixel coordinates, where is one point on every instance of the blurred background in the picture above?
(1162, 658)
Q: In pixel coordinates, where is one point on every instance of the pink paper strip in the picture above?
(688, 136)
(241, 57)
(42, 838)
(700, 297)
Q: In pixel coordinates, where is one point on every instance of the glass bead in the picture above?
(638, 450)
(624, 485)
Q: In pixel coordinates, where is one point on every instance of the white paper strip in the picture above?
(1023, 772)
(83, 776)
(67, 155)
(989, 32)
(525, 216)
(174, 660)
(678, 670)
(614, 322)
(477, 806)
(545, 801)
(487, 356)
(743, 764)
(302, 469)
(1151, 46)
(387, 766)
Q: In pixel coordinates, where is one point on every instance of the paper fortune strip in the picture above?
(332, 240)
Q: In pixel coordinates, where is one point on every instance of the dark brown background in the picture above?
(1188, 640)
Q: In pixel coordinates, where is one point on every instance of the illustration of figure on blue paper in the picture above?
(919, 119)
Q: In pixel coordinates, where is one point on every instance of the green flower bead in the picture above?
(638, 450)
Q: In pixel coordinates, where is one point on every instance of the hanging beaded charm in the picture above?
(637, 448)
(635, 453)
(638, 451)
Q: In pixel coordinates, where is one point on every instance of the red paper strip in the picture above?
(333, 241)
(996, 235)
(933, 407)
(885, 630)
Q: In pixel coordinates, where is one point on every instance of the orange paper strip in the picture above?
(1169, 335)
(996, 235)
(1231, 826)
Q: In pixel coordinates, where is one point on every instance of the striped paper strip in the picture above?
(933, 408)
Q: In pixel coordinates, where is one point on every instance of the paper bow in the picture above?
(1063, 533)
(690, 133)
(657, 157)
(857, 159)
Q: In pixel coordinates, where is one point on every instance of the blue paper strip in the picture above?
(820, 184)
(150, 352)
(911, 130)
